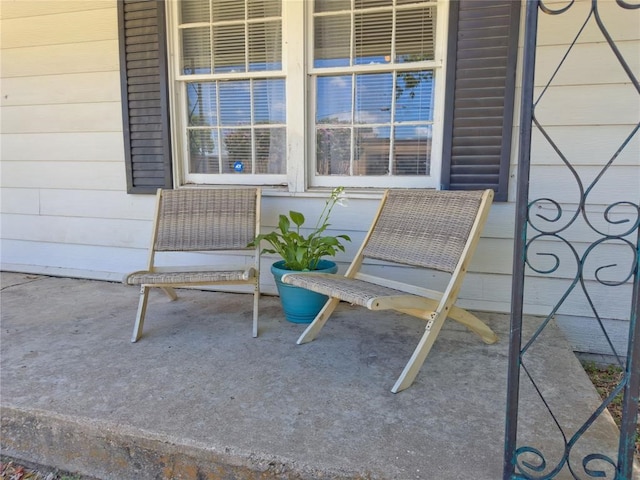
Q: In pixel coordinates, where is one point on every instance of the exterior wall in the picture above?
(64, 205)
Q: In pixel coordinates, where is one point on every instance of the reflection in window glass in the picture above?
(196, 51)
(235, 103)
(415, 34)
(201, 104)
(268, 101)
(390, 132)
(271, 150)
(264, 46)
(239, 36)
(332, 37)
(229, 48)
(248, 115)
(412, 150)
(193, 11)
(374, 94)
(377, 123)
(236, 152)
(372, 151)
(203, 151)
(414, 96)
(333, 99)
(333, 151)
(372, 37)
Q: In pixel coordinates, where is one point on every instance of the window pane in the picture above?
(372, 151)
(269, 102)
(412, 150)
(333, 151)
(414, 96)
(415, 34)
(203, 153)
(332, 39)
(227, 10)
(372, 3)
(229, 48)
(265, 41)
(333, 99)
(372, 37)
(192, 11)
(196, 51)
(330, 5)
(235, 103)
(236, 153)
(271, 147)
(373, 98)
(264, 8)
(201, 104)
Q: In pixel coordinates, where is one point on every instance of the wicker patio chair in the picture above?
(436, 230)
(201, 220)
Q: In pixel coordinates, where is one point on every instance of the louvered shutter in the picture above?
(143, 67)
(483, 41)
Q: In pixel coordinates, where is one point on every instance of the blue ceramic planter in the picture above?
(299, 304)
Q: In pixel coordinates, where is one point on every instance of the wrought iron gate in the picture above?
(618, 224)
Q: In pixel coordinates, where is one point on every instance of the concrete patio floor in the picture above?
(198, 398)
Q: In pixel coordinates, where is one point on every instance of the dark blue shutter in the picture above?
(143, 70)
(481, 71)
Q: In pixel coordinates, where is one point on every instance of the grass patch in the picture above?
(606, 379)
(10, 470)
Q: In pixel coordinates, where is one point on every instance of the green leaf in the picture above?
(297, 218)
(284, 224)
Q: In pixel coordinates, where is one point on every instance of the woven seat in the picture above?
(201, 220)
(427, 229)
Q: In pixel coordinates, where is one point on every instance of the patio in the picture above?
(198, 398)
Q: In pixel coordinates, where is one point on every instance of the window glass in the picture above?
(380, 122)
(237, 127)
(235, 121)
(343, 91)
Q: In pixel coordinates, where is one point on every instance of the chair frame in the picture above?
(250, 274)
(430, 305)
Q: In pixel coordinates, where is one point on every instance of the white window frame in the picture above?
(297, 70)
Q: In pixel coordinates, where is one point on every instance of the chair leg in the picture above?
(142, 310)
(474, 324)
(314, 327)
(170, 292)
(419, 355)
(256, 298)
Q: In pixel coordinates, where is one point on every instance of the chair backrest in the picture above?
(426, 228)
(203, 219)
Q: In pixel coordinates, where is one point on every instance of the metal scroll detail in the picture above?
(543, 246)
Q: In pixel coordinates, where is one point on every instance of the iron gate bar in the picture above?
(630, 383)
(520, 233)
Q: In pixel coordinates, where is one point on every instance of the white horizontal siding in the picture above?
(96, 56)
(579, 65)
(563, 29)
(73, 88)
(584, 145)
(60, 28)
(64, 175)
(34, 8)
(62, 147)
(71, 117)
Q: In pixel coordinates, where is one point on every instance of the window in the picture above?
(373, 77)
(231, 90)
(303, 93)
(362, 110)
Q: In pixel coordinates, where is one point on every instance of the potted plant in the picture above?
(304, 254)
